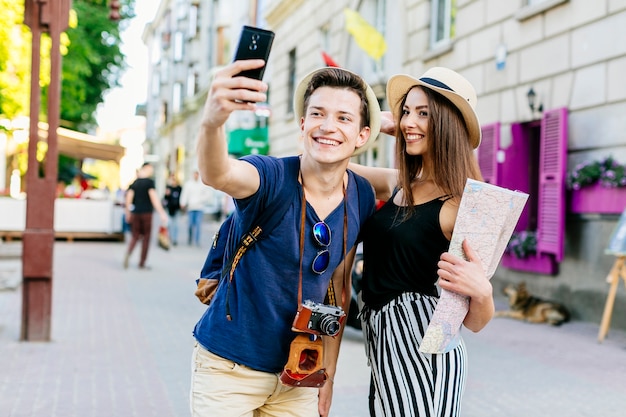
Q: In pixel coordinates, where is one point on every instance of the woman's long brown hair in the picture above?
(449, 150)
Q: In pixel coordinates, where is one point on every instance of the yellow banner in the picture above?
(365, 35)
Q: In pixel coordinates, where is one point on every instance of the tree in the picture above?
(15, 48)
(94, 62)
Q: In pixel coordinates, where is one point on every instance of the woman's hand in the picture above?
(467, 277)
(387, 124)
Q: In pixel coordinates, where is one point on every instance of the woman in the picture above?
(404, 245)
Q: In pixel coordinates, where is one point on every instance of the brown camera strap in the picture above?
(332, 299)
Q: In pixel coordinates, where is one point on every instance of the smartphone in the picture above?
(254, 43)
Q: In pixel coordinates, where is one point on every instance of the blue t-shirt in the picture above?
(264, 291)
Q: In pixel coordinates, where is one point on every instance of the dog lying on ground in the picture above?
(526, 307)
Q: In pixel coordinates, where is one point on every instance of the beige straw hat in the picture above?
(449, 84)
(372, 105)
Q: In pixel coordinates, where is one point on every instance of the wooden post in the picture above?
(616, 272)
(42, 16)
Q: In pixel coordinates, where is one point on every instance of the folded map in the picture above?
(487, 217)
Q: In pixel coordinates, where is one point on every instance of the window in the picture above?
(179, 39)
(192, 82)
(177, 94)
(155, 50)
(181, 9)
(442, 22)
(291, 81)
(194, 21)
(533, 8)
(534, 163)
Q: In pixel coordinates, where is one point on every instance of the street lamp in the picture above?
(532, 97)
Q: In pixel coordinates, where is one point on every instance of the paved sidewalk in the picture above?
(121, 346)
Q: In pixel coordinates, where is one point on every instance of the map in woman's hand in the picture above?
(487, 217)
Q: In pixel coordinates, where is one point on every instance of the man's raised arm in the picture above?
(228, 92)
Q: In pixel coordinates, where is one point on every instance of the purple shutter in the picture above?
(551, 210)
(487, 152)
(515, 175)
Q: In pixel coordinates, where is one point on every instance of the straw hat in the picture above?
(372, 105)
(449, 84)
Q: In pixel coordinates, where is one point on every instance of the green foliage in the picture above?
(607, 172)
(94, 62)
(92, 65)
(15, 49)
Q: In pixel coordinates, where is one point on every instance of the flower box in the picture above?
(598, 199)
(540, 264)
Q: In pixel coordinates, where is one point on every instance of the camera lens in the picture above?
(329, 325)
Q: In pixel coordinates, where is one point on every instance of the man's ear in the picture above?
(301, 126)
(364, 135)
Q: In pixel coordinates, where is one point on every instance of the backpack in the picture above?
(218, 267)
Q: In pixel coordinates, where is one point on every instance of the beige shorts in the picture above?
(223, 388)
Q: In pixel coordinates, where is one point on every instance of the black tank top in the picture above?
(401, 256)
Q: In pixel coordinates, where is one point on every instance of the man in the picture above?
(237, 360)
(193, 198)
(141, 201)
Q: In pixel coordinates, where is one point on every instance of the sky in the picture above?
(118, 109)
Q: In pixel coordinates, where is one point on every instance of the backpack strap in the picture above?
(366, 195)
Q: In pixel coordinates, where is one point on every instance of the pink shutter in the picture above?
(552, 166)
(487, 152)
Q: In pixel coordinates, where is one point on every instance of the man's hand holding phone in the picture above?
(230, 92)
(239, 86)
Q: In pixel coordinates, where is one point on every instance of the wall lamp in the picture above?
(532, 97)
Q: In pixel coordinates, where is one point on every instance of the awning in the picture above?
(81, 145)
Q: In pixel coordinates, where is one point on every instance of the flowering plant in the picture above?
(522, 244)
(607, 172)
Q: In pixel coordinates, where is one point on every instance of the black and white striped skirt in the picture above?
(406, 382)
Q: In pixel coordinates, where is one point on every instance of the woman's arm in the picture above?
(383, 180)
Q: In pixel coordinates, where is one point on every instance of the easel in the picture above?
(613, 278)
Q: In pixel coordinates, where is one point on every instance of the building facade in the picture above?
(548, 75)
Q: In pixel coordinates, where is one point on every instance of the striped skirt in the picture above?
(404, 381)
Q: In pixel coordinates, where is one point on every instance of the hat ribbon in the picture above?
(436, 83)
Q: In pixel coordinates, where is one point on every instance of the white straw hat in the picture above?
(372, 105)
(449, 84)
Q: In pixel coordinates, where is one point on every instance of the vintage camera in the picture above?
(317, 318)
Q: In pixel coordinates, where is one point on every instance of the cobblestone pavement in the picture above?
(121, 345)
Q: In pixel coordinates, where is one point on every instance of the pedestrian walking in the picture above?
(194, 198)
(141, 201)
(171, 202)
(295, 261)
(404, 243)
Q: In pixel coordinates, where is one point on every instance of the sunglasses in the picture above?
(321, 233)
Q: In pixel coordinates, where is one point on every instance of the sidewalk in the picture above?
(121, 346)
